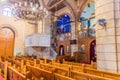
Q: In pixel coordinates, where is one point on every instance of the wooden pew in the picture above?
(90, 70)
(16, 64)
(65, 66)
(13, 61)
(38, 73)
(14, 74)
(52, 75)
(3, 70)
(34, 62)
(46, 67)
(62, 71)
(92, 65)
(61, 77)
(55, 69)
(77, 68)
(84, 76)
(115, 76)
(66, 69)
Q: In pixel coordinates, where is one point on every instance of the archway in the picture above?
(92, 51)
(61, 50)
(7, 37)
(87, 31)
(87, 17)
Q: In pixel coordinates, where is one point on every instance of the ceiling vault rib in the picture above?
(83, 6)
(61, 1)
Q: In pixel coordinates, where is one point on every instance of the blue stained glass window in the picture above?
(63, 24)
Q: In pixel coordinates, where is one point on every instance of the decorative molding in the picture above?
(10, 27)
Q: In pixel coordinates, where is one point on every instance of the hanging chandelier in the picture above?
(30, 10)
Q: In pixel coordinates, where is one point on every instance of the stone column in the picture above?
(105, 36)
(73, 36)
(117, 30)
(47, 24)
(40, 26)
(44, 26)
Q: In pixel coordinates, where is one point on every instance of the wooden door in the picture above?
(92, 51)
(6, 42)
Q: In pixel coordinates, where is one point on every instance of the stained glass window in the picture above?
(87, 13)
(7, 11)
(63, 24)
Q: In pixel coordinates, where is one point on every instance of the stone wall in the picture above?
(105, 36)
(117, 31)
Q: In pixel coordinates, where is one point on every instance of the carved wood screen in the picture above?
(6, 42)
(86, 41)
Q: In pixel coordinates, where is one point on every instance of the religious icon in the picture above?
(82, 49)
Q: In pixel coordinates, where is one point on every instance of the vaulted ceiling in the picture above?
(56, 5)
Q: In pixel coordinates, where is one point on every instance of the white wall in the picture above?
(20, 27)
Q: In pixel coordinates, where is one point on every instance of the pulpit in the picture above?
(39, 46)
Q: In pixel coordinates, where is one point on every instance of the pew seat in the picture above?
(61, 77)
(39, 73)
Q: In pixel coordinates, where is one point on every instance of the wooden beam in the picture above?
(56, 4)
(87, 19)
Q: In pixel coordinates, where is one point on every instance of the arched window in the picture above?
(63, 24)
(87, 16)
(87, 19)
(7, 11)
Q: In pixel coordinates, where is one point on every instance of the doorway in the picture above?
(7, 37)
(61, 50)
(93, 51)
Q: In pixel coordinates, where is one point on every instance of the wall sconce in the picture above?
(102, 22)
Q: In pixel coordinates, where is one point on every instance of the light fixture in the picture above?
(102, 22)
(31, 10)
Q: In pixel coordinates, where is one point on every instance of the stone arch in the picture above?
(66, 14)
(10, 27)
(82, 8)
(71, 9)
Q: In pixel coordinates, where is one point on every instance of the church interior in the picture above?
(59, 39)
